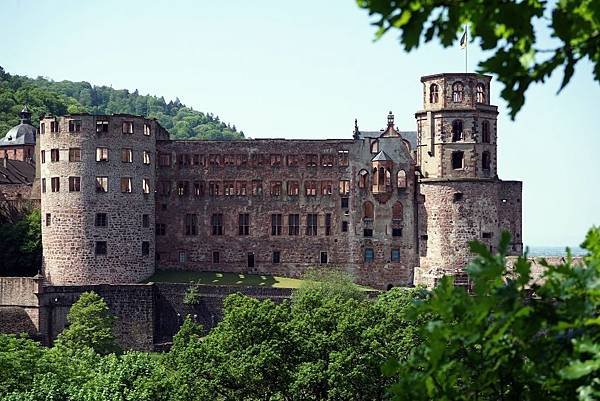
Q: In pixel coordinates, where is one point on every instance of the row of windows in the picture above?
(275, 160)
(458, 157)
(101, 155)
(458, 90)
(101, 184)
(457, 131)
(74, 126)
(101, 220)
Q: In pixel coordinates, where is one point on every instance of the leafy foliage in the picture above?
(20, 243)
(44, 96)
(507, 28)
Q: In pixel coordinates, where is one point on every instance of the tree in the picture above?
(90, 325)
(20, 241)
(507, 27)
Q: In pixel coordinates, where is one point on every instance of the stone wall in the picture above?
(18, 152)
(19, 312)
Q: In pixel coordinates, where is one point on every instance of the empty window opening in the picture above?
(457, 160)
(48, 219)
(311, 160)
(240, 188)
(401, 179)
(54, 155)
(369, 255)
(146, 157)
(344, 226)
(147, 129)
(367, 232)
(244, 224)
(191, 224)
(145, 220)
(145, 248)
(161, 229)
(126, 184)
(343, 158)
(458, 196)
(276, 257)
(214, 188)
(257, 188)
(182, 257)
(275, 188)
(199, 188)
(53, 126)
(101, 220)
(126, 155)
(74, 184)
(485, 132)
(480, 93)
(293, 188)
(216, 257)
(128, 127)
(294, 224)
(363, 179)
(327, 160)
(74, 125)
(485, 160)
(250, 259)
(101, 126)
(228, 188)
(487, 235)
(326, 188)
(368, 210)
(55, 184)
(275, 160)
(344, 203)
(396, 232)
(374, 146)
(323, 258)
(276, 225)
(216, 222)
(182, 188)
(457, 130)
(311, 223)
(74, 154)
(457, 92)
(344, 187)
(395, 255)
(101, 154)
(101, 248)
(101, 184)
(433, 93)
(327, 223)
(310, 188)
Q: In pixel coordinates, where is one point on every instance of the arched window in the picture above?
(374, 146)
(480, 93)
(401, 179)
(381, 176)
(367, 210)
(375, 180)
(457, 92)
(388, 178)
(433, 93)
(485, 160)
(457, 130)
(397, 211)
(485, 131)
(457, 160)
(363, 178)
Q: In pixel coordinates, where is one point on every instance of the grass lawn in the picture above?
(216, 278)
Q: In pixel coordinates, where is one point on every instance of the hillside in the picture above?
(47, 96)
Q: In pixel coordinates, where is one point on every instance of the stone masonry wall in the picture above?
(19, 311)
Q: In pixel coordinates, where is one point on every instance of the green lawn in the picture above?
(216, 278)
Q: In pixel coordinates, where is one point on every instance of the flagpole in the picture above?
(466, 47)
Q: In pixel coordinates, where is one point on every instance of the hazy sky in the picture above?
(306, 69)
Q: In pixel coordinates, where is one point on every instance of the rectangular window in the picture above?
(182, 188)
(195, 160)
(292, 160)
(74, 125)
(128, 127)
(214, 160)
(326, 188)
(74, 154)
(126, 155)
(101, 184)
(395, 255)
(229, 160)
(164, 160)
(101, 248)
(327, 223)
(146, 185)
(42, 128)
(53, 126)
(126, 184)
(344, 203)
(146, 157)
(55, 184)
(216, 257)
(101, 154)
(54, 155)
(275, 188)
(161, 229)
(216, 222)
(276, 224)
(48, 219)
(199, 188)
(327, 160)
(275, 160)
(101, 126)
(311, 223)
(396, 232)
(191, 224)
(369, 255)
(244, 224)
(344, 187)
(43, 156)
(294, 224)
(147, 130)
(344, 226)
(311, 160)
(256, 187)
(276, 257)
(214, 188)
(145, 248)
(182, 257)
(487, 235)
(43, 185)
(240, 188)
(228, 188)
(145, 220)
(310, 188)
(164, 188)
(343, 158)
(293, 188)
(101, 220)
(74, 184)
(323, 259)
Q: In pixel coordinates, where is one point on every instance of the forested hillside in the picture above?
(46, 96)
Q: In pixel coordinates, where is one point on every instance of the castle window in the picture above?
(343, 158)
(199, 188)
(344, 187)
(485, 131)
(228, 188)
(311, 160)
(369, 255)
(100, 248)
(433, 93)
(397, 212)
(161, 229)
(147, 130)
(275, 188)
(368, 210)
(395, 255)
(43, 185)
(74, 154)
(146, 157)
(101, 154)
(195, 160)
(214, 188)
(485, 160)
(401, 179)
(42, 128)
(367, 232)
(293, 188)
(311, 223)
(43, 156)
(457, 130)
(182, 257)
(327, 160)
(323, 258)
(101, 184)
(164, 160)
(48, 219)
(229, 160)
(74, 125)
(276, 225)
(241, 160)
(53, 126)
(182, 188)
(164, 188)
(363, 179)
(374, 146)
(214, 160)
(216, 257)
(276, 257)
(55, 184)
(101, 126)
(126, 184)
(126, 155)
(292, 160)
(310, 188)
(275, 160)
(344, 202)
(216, 222)
(457, 160)
(244, 224)
(74, 184)
(457, 197)
(145, 220)
(191, 224)
(344, 226)
(327, 223)
(486, 235)
(54, 155)
(326, 188)
(293, 224)
(146, 185)
(257, 189)
(396, 231)
(240, 188)
(145, 248)
(480, 93)
(128, 127)
(101, 220)
(457, 92)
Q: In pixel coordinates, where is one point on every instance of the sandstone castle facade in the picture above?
(120, 199)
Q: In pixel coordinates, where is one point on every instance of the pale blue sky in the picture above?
(306, 69)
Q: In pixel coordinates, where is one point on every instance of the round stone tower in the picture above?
(463, 198)
(97, 197)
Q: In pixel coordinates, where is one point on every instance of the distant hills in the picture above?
(50, 97)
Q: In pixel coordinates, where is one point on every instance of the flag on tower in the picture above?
(463, 40)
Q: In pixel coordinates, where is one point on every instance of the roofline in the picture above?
(454, 74)
(489, 108)
(44, 116)
(348, 141)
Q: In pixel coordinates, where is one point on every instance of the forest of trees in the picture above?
(44, 96)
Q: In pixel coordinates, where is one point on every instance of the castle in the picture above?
(121, 200)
